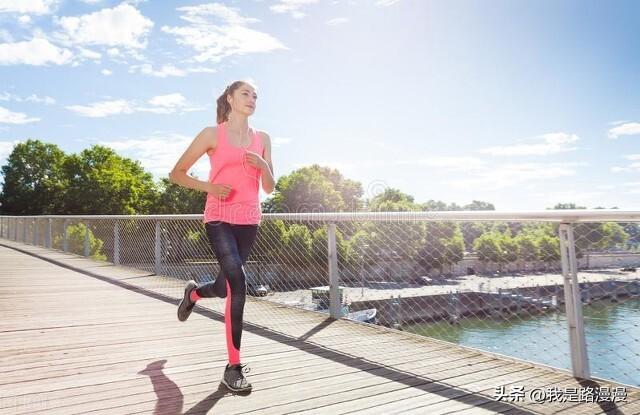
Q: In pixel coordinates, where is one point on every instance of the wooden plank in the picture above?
(97, 351)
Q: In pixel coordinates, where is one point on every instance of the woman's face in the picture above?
(243, 100)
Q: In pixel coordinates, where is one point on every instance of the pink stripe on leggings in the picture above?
(234, 354)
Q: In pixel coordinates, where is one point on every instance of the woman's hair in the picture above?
(224, 108)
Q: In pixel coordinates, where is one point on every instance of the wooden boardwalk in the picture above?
(78, 337)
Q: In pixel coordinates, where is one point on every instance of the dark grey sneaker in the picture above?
(234, 378)
(186, 305)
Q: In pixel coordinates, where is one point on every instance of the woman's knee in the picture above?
(233, 268)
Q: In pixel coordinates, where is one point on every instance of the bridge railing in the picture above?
(557, 287)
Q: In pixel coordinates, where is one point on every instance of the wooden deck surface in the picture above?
(78, 336)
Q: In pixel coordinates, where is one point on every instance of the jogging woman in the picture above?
(240, 159)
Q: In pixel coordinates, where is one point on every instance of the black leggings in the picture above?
(231, 243)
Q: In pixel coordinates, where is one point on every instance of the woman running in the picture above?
(240, 159)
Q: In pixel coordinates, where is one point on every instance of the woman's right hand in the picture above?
(219, 191)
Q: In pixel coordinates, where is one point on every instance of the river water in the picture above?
(612, 334)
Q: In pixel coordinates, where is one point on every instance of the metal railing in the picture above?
(511, 283)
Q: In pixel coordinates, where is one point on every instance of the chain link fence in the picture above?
(560, 288)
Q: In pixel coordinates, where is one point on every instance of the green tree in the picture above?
(298, 244)
(350, 190)
(443, 246)
(405, 238)
(479, 205)
(314, 189)
(527, 247)
(613, 236)
(75, 241)
(487, 247)
(633, 230)
(320, 247)
(273, 238)
(471, 231)
(176, 199)
(99, 181)
(549, 248)
(393, 200)
(33, 183)
(510, 248)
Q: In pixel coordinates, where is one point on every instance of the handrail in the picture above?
(557, 216)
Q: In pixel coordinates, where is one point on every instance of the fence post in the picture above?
(573, 303)
(65, 236)
(116, 243)
(334, 278)
(86, 239)
(48, 241)
(24, 230)
(36, 232)
(157, 249)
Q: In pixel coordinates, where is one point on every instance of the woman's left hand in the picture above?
(255, 160)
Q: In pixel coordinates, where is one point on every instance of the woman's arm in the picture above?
(268, 181)
(196, 149)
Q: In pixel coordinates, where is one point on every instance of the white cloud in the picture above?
(200, 15)
(170, 100)
(292, 7)
(337, 21)
(201, 69)
(122, 25)
(9, 117)
(24, 19)
(386, 3)
(460, 163)
(618, 186)
(551, 143)
(41, 100)
(5, 36)
(159, 153)
(163, 72)
(161, 104)
(6, 147)
(279, 141)
(622, 188)
(216, 31)
(89, 54)
(91, 1)
(28, 6)
(103, 109)
(37, 51)
(106, 72)
(502, 176)
(633, 167)
(6, 96)
(631, 128)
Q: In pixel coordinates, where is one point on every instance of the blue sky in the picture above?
(523, 104)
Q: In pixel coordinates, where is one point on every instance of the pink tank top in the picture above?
(242, 206)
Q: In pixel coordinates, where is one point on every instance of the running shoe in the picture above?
(186, 305)
(234, 378)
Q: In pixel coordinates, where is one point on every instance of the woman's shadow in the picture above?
(170, 399)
